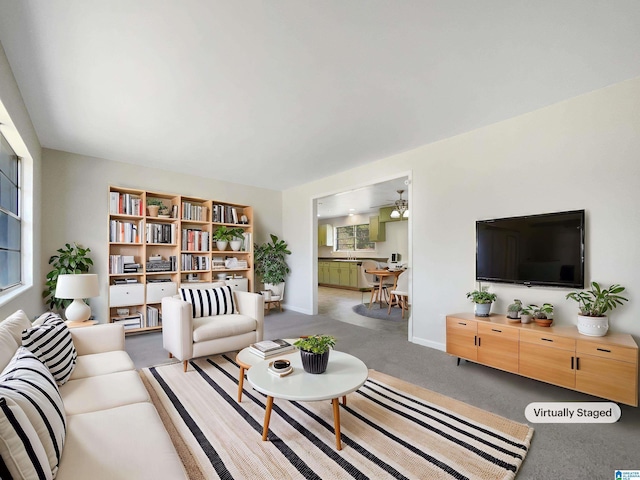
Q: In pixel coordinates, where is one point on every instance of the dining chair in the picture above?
(372, 282)
(400, 294)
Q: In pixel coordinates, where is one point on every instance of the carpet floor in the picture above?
(390, 429)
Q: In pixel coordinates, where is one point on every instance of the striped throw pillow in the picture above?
(27, 386)
(51, 342)
(206, 302)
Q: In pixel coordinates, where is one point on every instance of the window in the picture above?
(354, 237)
(10, 222)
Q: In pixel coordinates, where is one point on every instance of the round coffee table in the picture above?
(345, 374)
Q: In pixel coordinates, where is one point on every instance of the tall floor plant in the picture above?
(71, 259)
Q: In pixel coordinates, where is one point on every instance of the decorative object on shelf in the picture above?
(513, 310)
(482, 300)
(70, 259)
(244, 220)
(526, 314)
(401, 209)
(593, 305)
(153, 206)
(314, 352)
(163, 211)
(543, 315)
(270, 263)
(223, 235)
(77, 287)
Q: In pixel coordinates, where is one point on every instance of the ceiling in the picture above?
(365, 200)
(280, 93)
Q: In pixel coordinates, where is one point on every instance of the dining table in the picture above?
(383, 273)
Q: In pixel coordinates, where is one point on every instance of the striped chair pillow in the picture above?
(26, 385)
(206, 302)
(51, 342)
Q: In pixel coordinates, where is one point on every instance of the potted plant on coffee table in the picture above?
(314, 352)
(593, 304)
(482, 300)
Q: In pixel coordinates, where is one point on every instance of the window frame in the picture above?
(17, 215)
(372, 248)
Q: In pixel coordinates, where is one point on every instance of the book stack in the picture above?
(269, 348)
(124, 281)
(217, 263)
(129, 322)
(154, 318)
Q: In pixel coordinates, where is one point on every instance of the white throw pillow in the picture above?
(209, 301)
(51, 342)
(29, 384)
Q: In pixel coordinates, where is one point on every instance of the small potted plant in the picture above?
(224, 235)
(236, 240)
(314, 352)
(526, 314)
(513, 311)
(153, 206)
(482, 300)
(163, 211)
(593, 304)
(543, 315)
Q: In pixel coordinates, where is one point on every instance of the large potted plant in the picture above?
(71, 259)
(270, 263)
(593, 304)
(482, 300)
(314, 352)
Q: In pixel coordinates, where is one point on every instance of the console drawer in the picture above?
(548, 340)
(605, 350)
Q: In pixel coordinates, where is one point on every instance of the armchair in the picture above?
(185, 337)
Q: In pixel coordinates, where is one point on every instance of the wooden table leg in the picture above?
(336, 422)
(240, 383)
(344, 400)
(267, 417)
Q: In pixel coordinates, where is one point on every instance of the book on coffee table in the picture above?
(269, 348)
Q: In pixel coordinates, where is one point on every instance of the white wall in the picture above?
(77, 191)
(17, 128)
(578, 154)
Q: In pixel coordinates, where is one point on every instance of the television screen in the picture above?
(545, 249)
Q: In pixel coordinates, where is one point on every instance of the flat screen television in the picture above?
(544, 250)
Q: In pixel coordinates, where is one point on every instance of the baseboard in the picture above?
(428, 343)
(296, 309)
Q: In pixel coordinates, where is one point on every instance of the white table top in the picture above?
(345, 374)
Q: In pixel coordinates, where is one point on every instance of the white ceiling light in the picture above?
(401, 207)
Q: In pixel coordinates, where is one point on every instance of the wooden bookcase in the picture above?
(183, 242)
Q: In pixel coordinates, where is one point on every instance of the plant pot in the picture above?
(266, 294)
(526, 318)
(543, 322)
(315, 363)
(235, 245)
(482, 309)
(221, 244)
(153, 210)
(593, 326)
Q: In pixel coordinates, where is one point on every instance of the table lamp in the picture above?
(77, 287)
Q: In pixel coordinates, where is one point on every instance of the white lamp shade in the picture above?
(395, 214)
(81, 285)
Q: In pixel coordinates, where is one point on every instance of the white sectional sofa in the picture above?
(113, 430)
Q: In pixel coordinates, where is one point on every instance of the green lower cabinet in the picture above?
(334, 276)
(354, 272)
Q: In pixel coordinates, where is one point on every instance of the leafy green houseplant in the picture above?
(513, 310)
(526, 314)
(483, 300)
(314, 352)
(270, 261)
(223, 235)
(154, 205)
(593, 304)
(71, 259)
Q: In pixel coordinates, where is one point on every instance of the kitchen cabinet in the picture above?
(339, 274)
(606, 367)
(377, 229)
(325, 235)
(324, 272)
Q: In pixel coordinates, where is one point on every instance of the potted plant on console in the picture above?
(593, 305)
(314, 352)
(526, 314)
(543, 315)
(483, 300)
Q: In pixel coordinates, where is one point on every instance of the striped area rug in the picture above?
(390, 429)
